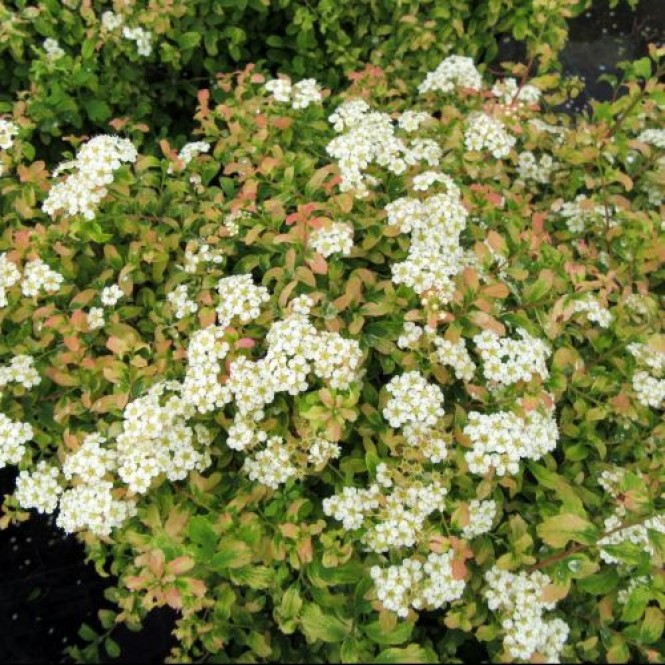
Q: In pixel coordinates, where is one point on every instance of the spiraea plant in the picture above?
(348, 378)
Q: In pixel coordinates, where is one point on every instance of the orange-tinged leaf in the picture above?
(156, 562)
(180, 565)
(173, 598)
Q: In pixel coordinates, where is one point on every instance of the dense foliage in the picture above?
(78, 64)
(364, 374)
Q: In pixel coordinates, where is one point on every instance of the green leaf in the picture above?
(600, 583)
(203, 534)
(557, 531)
(642, 67)
(231, 554)
(255, 577)
(397, 635)
(98, 110)
(112, 647)
(326, 628)
(652, 626)
(553, 481)
(410, 654)
(189, 40)
(635, 605)
(86, 633)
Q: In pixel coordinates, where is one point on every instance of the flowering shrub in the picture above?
(339, 380)
(78, 64)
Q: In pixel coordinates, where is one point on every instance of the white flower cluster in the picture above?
(610, 480)
(399, 523)
(507, 361)
(638, 304)
(9, 275)
(111, 21)
(300, 94)
(350, 114)
(201, 387)
(336, 239)
(322, 451)
(531, 168)
(156, 440)
(37, 276)
(271, 466)
(654, 137)
(53, 49)
(413, 401)
(414, 584)
(483, 132)
(410, 121)
(500, 440)
(369, 138)
(110, 295)
(519, 598)
(423, 181)
(507, 89)
(417, 406)
(21, 370)
(594, 311)
(96, 318)
(202, 254)
(91, 462)
(95, 163)
(648, 357)
(481, 516)
(142, 38)
(648, 385)
(240, 297)
(649, 390)
(351, 507)
(580, 212)
(455, 71)
(13, 437)
(637, 534)
(93, 507)
(39, 489)
(180, 302)
(231, 221)
(295, 349)
(456, 356)
(390, 521)
(411, 334)
(8, 130)
(191, 150)
(434, 256)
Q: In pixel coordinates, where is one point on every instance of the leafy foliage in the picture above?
(264, 574)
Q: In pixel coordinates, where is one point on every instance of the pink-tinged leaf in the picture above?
(245, 343)
(438, 544)
(156, 562)
(180, 565)
(135, 582)
(173, 598)
(289, 530)
(118, 123)
(117, 346)
(305, 550)
(72, 343)
(22, 238)
(318, 264)
(197, 587)
(459, 569)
